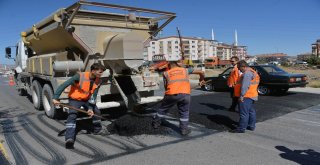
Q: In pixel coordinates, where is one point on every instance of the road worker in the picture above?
(177, 92)
(232, 80)
(246, 91)
(83, 93)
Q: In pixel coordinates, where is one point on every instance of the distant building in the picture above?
(316, 48)
(280, 57)
(304, 57)
(196, 49)
(239, 51)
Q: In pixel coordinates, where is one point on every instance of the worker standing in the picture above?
(177, 92)
(83, 93)
(246, 90)
(232, 80)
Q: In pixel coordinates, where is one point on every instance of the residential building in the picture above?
(224, 51)
(304, 56)
(196, 49)
(265, 58)
(316, 48)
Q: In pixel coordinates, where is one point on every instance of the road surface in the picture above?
(288, 132)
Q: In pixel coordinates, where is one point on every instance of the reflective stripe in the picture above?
(70, 125)
(184, 119)
(160, 115)
(96, 121)
(178, 80)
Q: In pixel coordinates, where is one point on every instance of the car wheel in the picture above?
(263, 90)
(208, 86)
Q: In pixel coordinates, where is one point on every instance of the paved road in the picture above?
(287, 133)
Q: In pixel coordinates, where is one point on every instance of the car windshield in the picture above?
(273, 69)
(226, 72)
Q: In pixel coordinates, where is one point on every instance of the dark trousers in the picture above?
(72, 116)
(183, 103)
(247, 115)
(234, 100)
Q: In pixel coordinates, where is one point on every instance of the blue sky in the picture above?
(265, 26)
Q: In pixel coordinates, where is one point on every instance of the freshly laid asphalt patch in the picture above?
(211, 111)
(130, 125)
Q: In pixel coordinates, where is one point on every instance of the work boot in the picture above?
(185, 131)
(69, 143)
(250, 128)
(156, 124)
(102, 132)
(237, 131)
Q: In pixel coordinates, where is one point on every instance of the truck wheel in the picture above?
(22, 92)
(47, 95)
(36, 90)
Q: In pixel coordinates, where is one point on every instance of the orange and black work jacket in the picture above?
(81, 90)
(252, 91)
(177, 81)
(234, 76)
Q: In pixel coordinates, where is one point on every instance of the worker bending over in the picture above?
(83, 93)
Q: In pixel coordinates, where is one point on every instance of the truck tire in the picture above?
(36, 93)
(49, 108)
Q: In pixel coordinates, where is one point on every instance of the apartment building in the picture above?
(196, 49)
(239, 51)
(316, 48)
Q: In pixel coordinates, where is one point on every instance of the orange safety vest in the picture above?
(81, 90)
(234, 76)
(177, 81)
(252, 91)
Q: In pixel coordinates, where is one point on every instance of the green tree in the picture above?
(314, 60)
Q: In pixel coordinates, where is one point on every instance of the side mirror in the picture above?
(8, 52)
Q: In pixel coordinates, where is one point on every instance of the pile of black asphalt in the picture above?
(211, 111)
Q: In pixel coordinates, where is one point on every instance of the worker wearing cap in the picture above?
(83, 93)
(246, 91)
(177, 92)
(232, 80)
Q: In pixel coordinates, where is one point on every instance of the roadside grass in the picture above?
(312, 74)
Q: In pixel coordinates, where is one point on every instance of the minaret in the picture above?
(212, 34)
(235, 38)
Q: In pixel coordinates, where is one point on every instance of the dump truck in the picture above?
(215, 62)
(71, 39)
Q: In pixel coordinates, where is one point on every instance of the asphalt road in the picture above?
(287, 133)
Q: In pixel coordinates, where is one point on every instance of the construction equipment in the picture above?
(71, 39)
(79, 110)
(215, 62)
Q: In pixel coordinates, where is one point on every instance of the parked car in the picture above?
(272, 80)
